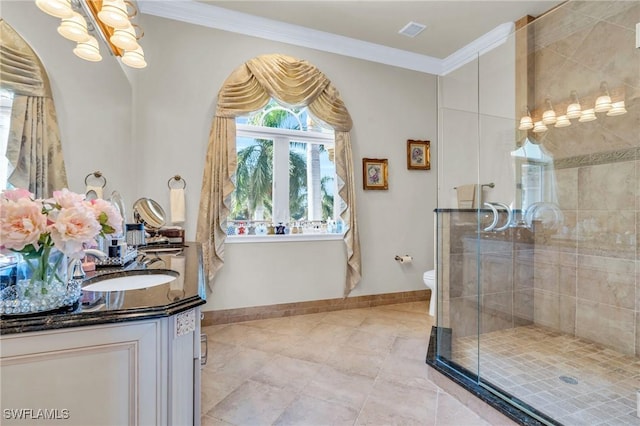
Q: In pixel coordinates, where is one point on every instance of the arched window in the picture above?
(286, 171)
(249, 88)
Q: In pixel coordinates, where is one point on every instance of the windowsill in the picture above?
(240, 239)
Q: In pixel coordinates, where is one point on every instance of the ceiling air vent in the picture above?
(412, 29)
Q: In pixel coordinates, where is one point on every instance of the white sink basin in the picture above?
(131, 282)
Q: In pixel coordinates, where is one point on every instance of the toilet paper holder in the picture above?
(403, 259)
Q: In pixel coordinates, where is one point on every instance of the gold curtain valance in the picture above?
(21, 71)
(249, 88)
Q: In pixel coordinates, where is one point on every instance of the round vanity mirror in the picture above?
(148, 212)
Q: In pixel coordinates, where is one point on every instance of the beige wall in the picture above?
(140, 138)
(93, 102)
(176, 97)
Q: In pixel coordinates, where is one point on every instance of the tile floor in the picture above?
(528, 362)
(351, 367)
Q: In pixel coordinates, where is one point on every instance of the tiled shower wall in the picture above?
(587, 275)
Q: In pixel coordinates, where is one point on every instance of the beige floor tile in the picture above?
(306, 410)
(349, 318)
(410, 348)
(356, 361)
(212, 421)
(399, 402)
(253, 403)
(245, 362)
(452, 412)
(333, 334)
(216, 386)
(340, 387)
(370, 342)
(282, 372)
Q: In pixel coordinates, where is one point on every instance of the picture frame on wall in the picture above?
(418, 155)
(375, 173)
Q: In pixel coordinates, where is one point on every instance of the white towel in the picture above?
(466, 196)
(176, 198)
(177, 264)
(96, 189)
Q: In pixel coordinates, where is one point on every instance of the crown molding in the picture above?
(199, 13)
(478, 47)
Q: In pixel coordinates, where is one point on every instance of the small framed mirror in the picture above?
(149, 213)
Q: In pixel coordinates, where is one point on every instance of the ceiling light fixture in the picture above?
(563, 121)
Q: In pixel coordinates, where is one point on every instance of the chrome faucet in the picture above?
(98, 254)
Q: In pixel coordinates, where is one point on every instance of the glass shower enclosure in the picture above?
(539, 281)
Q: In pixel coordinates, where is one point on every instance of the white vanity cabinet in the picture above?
(136, 372)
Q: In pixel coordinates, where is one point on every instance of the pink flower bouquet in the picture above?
(67, 222)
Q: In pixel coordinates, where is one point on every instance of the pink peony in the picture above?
(112, 218)
(21, 223)
(16, 194)
(73, 227)
(66, 198)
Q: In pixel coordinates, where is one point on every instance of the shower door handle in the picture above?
(509, 216)
(495, 217)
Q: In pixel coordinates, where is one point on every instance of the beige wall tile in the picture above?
(611, 326)
(607, 280)
(607, 187)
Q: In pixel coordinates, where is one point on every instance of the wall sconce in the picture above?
(563, 121)
(112, 23)
(574, 109)
(526, 122)
(74, 28)
(587, 115)
(549, 116)
(617, 108)
(603, 102)
(114, 14)
(539, 127)
(57, 8)
(88, 50)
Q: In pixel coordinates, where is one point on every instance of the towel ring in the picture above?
(97, 175)
(177, 178)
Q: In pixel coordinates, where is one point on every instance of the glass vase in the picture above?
(40, 284)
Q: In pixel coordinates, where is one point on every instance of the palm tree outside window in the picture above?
(285, 172)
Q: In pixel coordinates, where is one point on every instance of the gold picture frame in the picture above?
(375, 173)
(418, 155)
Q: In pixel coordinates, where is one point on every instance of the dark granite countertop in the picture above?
(185, 292)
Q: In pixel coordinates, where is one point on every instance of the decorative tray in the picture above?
(127, 258)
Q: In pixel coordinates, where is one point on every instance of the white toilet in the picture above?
(430, 281)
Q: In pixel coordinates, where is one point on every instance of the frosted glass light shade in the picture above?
(563, 121)
(57, 8)
(74, 28)
(134, 58)
(114, 14)
(617, 108)
(574, 110)
(603, 103)
(526, 123)
(549, 116)
(539, 127)
(88, 50)
(125, 38)
(587, 115)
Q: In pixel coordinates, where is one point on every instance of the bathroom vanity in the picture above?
(120, 357)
